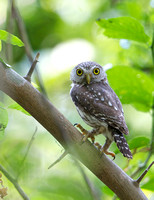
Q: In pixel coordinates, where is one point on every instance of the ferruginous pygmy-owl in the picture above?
(99, 106)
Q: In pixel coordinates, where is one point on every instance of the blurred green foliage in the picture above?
(127, 28)
(3, 119)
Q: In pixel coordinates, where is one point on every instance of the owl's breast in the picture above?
(84, 97)
(91, 120)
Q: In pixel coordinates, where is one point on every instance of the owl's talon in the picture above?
(92, 139)
(108, 153)
(75, 124)
(98, 146)
(103, 149)
(84, 132)
(85, 137)
(113, 157)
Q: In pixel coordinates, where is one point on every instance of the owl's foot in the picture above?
(86, 134)
(104, 149)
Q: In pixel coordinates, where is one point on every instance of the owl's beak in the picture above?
(88, 78)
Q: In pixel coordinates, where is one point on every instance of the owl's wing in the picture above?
(100, 101)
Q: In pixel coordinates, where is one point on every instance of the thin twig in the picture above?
(28, 148)
(144, 173)
(143, 165)
(152, 137)
(31, 70)
(9, 28)
(89, 184)
(22, 31)
(28, 48)
(94, 194)
(59, 159)
(152, 49)
(14, 182)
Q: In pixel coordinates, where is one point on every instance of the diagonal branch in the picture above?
(59, 159)
(25, 156)
(28, 48)
(46, 114)
(92, 190)
(151, 151)
(28, 77)
(14, 182)
(144, 173)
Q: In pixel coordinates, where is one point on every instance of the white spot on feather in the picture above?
(110, 104)
(102, 98)
(115, 108)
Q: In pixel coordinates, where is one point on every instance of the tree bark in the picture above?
(21, 91)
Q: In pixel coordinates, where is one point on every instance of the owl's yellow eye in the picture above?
(79, 72)
(96, 71)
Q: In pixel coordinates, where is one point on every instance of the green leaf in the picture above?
(0, 45)
(9, 38)
(149, 185)
(132, 86)
(138, 142)
(124, 28)
(3, 120)
(16, 106)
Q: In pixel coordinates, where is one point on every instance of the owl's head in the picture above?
(87, 73)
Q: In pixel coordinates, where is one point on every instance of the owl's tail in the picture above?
(122, 143)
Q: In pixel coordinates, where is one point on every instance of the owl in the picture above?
(99, 107)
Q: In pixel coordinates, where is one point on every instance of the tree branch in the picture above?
(28, 48)
(46, 114)
(144, 173)
(25, 156)
(151, 151)
(92, 190)
(59, 159)
(9, 28)
(31, 70)
(14, 182)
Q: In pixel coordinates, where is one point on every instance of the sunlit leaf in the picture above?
(16, 106)
(3, 120)
(9, 38)
(132, 86)
(138, 142)
(123, 28)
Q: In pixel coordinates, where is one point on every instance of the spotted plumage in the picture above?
(98, 105)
